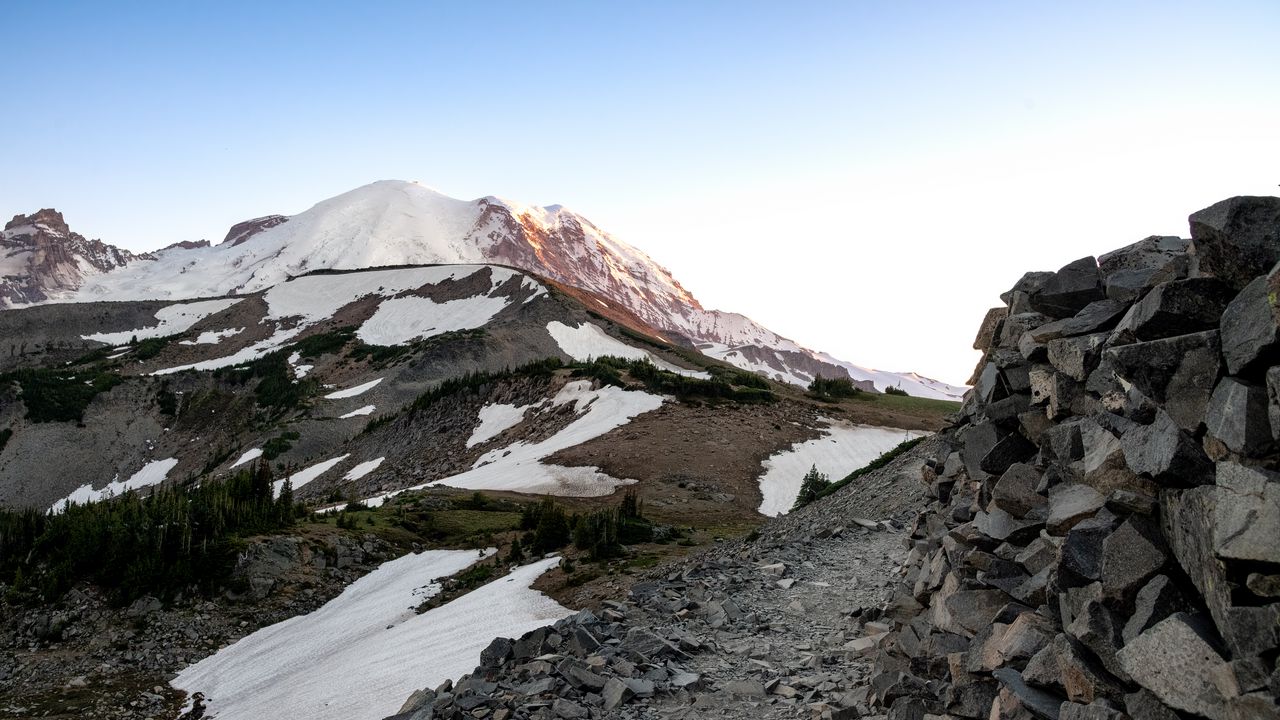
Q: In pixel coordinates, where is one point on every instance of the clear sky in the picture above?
(863, 177)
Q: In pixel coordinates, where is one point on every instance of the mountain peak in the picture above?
(46, 219)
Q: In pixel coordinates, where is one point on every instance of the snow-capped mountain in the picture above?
(41, 258)
(402, 223)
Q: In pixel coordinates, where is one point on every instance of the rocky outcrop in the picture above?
(40, 257)
(242, 231)
(1104, 537)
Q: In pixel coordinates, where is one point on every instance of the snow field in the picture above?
(362, 469)
(405, 319)
(589, 341)
(842, 449)
(173, 319)
(361, 654)
(153, 473)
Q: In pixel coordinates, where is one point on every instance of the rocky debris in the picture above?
(1124, 562)
(242, 231)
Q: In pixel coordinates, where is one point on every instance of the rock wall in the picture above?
(1104, 536)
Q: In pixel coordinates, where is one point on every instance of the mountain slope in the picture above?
(41, 258)
(400, 223)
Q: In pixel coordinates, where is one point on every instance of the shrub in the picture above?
(811, 487)
(279, 445)
(891, 390)
(833, 387)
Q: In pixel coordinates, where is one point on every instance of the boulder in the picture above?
(1130, 556)
(1095, 317)
(1098, 628)
(1036, 702)
(1015, 491)
(1178, 373)
(1237, 417)
(1129, 272)
(1081, 558)
(1164, 452)
(1188, 518)
(1157, 600)
(1070, 504)
(1250, 329)
(989, 330)
(1018, 298)
(1246, 520)
(1053, 390)
(1236, 240)
(1175, 308)
(1273, 401)
(1069, 290)
(1175, 660)
(1076, 357)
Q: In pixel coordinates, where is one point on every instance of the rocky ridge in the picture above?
(40, 257)
(1098, 538)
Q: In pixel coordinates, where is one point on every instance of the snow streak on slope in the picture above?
(303, 477)
(248, 455)
(173, 319)
(212, 337)
(362, 469)
(354, 391)
(842, 449)
(588, 341)
(361, 654)
(519, 467)
(153, 473)
(366, 410)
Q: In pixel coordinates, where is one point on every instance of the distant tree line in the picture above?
(171, 540)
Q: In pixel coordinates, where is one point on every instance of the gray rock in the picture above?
(1130, 557)
(1018, 298)
(1250, 331)
(1069, 290)
(1264, 585)
(1246, 521)
(1175, 660)
(1132, 270)
(746, 688)
(568, 710)
(1098, 628)
(1236, 239)
(1237, 417)
(1178, 372)
(1188, 520)
(1096, 710)
(1175, 308)
(496, 653)
(1081, 558)
(1142, 705)
(1015, 491)
(1076, 357)
(1070, 504)
(1095, 317)
(615, 693)
(1273, 401)
(1164, 452)
(1041, 704)
(1053, 390)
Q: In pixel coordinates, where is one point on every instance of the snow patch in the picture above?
(212, 337)
(366, 410)
(361, 654)
(362, 469)
(496, 419)
(353, 392)
(588, 341)
(302, 477)
(173, 319)
(153, 473)
(519, 467)
(248, 456)
(299, 370)
(404, 319)
(244, 355)
(842, 449)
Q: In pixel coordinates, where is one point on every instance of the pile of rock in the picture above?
(1104, 539)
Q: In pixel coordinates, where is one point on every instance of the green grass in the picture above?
(463, 523)
(910, 403)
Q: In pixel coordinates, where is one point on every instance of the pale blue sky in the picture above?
(843, 172)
